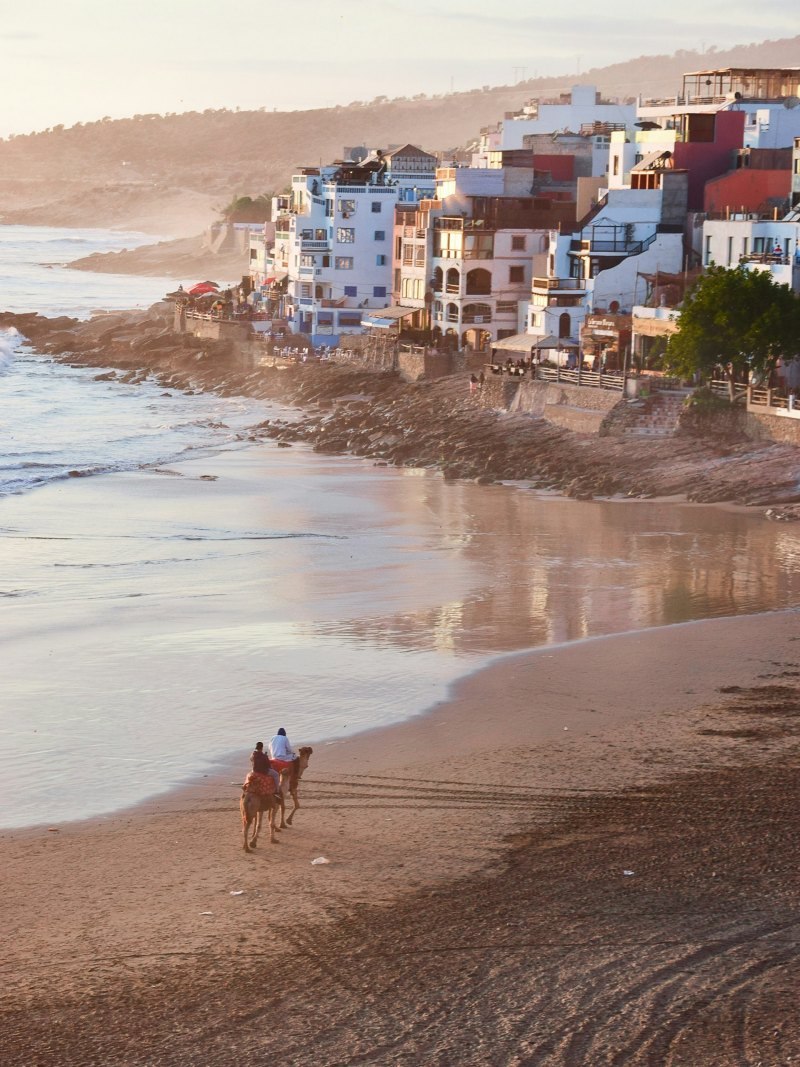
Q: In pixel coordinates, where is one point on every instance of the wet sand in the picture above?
(587, 855)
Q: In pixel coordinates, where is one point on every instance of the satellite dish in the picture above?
(791, 101)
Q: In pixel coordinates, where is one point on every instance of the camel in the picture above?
(290, 779)
(252, 808)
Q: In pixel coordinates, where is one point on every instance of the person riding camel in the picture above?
(281, 753)
(262, 779)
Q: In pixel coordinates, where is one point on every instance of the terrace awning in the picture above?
(384, 318)
(518, 342)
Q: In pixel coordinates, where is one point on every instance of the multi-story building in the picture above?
(717, 113)
(332, 256)
(794, 193)
(757, 243)
(581, 111)
(463, 260)
(601, 265)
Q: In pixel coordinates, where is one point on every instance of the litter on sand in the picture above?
(627, 873)
(206, 912)
(318, 860)
(237, 892)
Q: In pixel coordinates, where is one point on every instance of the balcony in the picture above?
(611, 246)
(459, 223)
(558, 284)
(314, 246)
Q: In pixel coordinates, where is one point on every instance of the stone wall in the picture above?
(572, 407)
(498, 391)
(415, 365)
(782, 428)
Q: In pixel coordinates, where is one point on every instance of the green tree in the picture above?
(246, 209)
(741, 320)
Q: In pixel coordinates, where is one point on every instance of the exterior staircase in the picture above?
(659, 416)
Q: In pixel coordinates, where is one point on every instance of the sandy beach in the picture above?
(586, 855)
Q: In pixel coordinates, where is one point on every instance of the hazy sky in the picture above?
(68, 61)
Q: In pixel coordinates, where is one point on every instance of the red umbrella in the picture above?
(202, 288)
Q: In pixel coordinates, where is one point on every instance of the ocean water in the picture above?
(193, 589)
(34, 275)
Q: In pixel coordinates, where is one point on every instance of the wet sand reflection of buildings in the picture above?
(549, 570)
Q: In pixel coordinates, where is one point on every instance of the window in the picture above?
(408, 254)
(758, 245)
(616, 165)
(730, 251)
(343, 262)
(379, 290)
(380, 235)
(351, 290)
(326, 261)
(518, 242)
(254, 253)
(516, 274)
(376, 207)
(708, 251)
(305, 289)
(349, 318)
(380, 261)
(345, 235)
(419, 256)
(347, 207)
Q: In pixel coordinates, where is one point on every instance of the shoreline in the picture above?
(408, 816)
(224, 769)
(432, 424)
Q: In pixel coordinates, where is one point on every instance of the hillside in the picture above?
(170, 174)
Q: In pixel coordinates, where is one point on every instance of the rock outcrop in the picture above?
(434, 424)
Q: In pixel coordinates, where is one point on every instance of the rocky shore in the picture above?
(432, 424)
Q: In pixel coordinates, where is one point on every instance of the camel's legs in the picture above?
(295, 806)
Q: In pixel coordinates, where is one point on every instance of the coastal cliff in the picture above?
(433, 424)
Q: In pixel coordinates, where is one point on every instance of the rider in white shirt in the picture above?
(280, 751)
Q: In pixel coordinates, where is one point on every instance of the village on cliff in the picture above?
(558, 249)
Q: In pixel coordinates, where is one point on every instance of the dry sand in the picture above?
(587, 855)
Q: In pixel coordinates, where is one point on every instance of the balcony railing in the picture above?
(773, 402)
(558, 283)
(458, 223)
(592, 379)
(616, 246)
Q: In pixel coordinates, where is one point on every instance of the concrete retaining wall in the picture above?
(570, 406)
(414, 365)
(782, 428)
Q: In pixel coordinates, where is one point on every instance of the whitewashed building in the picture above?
(631, 233)
(582, 110)
(332, 256)
(755, 243)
